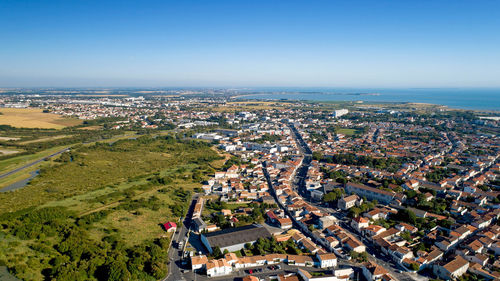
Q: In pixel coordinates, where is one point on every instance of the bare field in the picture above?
(8, 139)
(45, 139)
(34, 118)
(91, 128)
(7, 151)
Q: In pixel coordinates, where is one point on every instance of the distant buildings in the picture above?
(340, 112)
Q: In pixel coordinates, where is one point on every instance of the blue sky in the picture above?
(250, 43)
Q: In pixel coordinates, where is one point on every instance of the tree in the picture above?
(333, 195)
(117, 270)
(216, 253)
(406, 215)
(414, 266)
(411, 194)
(421, 200)
(359, 257)
(406, 236)
(445, 223)
(317, 155)
(354, 212)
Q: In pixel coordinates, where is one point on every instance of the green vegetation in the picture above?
(270, 246)
(391, 164)
(338, 176)
(95, 214)
(76, 256)
(414, 266)
(317, 137)
(439, 174)
(230, 162)
(334, 195)
(364, 207)
(351, 132)
(406, 236)
(31, 141)
(268, 138)
(406, 215)
(256, 216)
(359, 257)
(98, 165)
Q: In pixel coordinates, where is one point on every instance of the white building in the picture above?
(218, 267)
(453, 269)
(198, 262)
(327, 260)
(340, 112)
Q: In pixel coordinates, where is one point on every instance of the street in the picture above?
(178, 271)
(32, 163)
(175, 266)
(299, 186)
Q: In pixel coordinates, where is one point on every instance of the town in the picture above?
(312, 191)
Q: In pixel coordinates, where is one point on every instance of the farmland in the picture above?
(34, 118)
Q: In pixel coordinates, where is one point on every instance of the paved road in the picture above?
(32, 163)
(175, 266)
(43, 159)
(388, 264)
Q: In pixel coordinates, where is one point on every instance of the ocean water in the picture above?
(477, 99)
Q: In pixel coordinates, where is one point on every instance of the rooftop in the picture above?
(238, 235)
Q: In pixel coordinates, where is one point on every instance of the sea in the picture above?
(474, 99)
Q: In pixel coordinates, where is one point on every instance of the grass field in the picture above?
(91, 128)
(128, 226)
(348, 132)
(230, 206)
(18, 161)
(44, 139)
(124, 181)
(34, 118)
(96, 167)
(6, 181)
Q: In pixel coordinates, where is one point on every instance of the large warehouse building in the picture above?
(234, 239)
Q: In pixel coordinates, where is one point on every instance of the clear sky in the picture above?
(379, 43)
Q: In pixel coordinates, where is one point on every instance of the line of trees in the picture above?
(387, 163)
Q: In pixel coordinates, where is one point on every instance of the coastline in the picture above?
(488, 103)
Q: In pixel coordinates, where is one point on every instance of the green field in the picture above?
(348, 132)
(94, 214)
(18, 161)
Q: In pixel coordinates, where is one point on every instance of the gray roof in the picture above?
(199, 222)
(237, 235)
